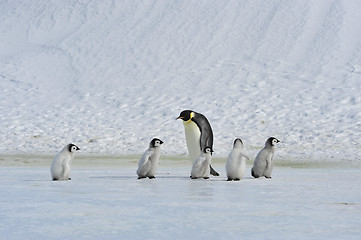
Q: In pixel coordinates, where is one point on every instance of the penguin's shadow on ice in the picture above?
(135, 177)
(172, 177)
(39, 180)
(113, 177)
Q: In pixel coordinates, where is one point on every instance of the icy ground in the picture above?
(104, 200)
(111, 75)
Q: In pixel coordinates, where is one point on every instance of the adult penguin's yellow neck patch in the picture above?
(190, 117)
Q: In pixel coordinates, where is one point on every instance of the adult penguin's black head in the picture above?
(186, 115)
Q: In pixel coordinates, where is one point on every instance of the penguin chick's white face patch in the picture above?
(208, 150)
(274, 142)
(73, 149)
(157, 143)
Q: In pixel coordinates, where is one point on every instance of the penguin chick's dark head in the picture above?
(208, 150)
(155, 143)
(72, 147)
(186, 115)
(272, 141)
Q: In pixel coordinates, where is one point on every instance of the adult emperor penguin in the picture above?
(198, 133)
(263, 164)
(61, 165)
(236, 162)
(201, 166)
(148, 163)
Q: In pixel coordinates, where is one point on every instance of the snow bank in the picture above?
(109, 76)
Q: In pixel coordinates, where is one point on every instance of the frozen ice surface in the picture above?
(109, 202)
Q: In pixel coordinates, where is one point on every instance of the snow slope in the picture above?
(111, 75)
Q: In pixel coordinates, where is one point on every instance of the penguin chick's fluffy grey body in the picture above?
(236, 162)
(263, 164)
(201, 166)
(61, 165)
(148, 163)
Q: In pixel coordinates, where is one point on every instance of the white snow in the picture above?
(111, 75)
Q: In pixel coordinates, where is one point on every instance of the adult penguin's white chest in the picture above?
(193, 136)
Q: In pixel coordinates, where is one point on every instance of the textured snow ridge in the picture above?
(109, 76)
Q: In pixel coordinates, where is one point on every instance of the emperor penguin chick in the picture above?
(263, 164)
(236, 162)
(61, 165)
(201, 166)
(198, 133)
(148, 163)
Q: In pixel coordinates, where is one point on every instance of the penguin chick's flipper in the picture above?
(213, 172)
